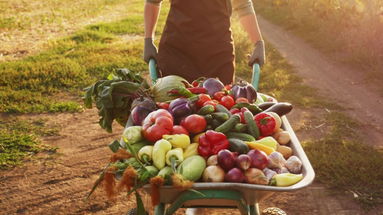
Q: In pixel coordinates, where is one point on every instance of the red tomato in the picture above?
(202, 98)
(156, 124)
(227, 101)
(194, 123)
(218, 95)
(241, 100)
(195, 83)
(163, 105)
(178, 129)
(211, 102)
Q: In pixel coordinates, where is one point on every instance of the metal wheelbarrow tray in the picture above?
(228, 195)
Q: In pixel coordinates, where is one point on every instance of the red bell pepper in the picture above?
(211, 143)
(265, 123)
(156, 124)
(197, 90)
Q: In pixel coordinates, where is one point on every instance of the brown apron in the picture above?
(197, 40)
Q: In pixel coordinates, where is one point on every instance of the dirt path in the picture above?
(338, 83)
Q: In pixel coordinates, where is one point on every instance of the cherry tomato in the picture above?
(194, 123)
(227, 101)
(228, 87)
(163, 105)
(202, 98)
(241, 100)
(218, 95)
(178, 129)
(195, 83)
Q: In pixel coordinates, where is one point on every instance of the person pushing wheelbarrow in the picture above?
(197, 39)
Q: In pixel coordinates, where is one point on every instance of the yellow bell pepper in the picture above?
(286, 179)
(160, 148)
(145, 153)
(268, 141)
(196, 137)
(261, 147)
(191, 150)
(178, 140)
(176, 155)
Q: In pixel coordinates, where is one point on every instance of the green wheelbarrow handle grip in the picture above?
(153, 70)
(255, 76)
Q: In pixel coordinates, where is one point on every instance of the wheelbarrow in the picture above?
(245, 197)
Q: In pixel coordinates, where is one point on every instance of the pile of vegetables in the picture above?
(180, 133)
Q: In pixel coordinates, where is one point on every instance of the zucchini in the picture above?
(207, 109)
(241, 136)
(229, 124)
(237, 145)
(252, 127)
(223, 109)
(281, 108)
(222, 117)
(240, 127)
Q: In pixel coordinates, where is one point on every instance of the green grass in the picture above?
(72, 63)
(341, 161)
(20, 139)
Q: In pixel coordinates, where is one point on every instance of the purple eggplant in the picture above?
(141, 107)
(180, 108)
(213, 85)
(235, 175)
(244, 90)
(226, 159)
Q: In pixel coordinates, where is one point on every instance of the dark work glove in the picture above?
(258, 55)
(150, 50)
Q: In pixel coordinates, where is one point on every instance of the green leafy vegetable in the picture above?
(113, 97)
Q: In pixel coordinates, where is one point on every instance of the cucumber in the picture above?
(240, 127)
(208, 118)
(207, 109)
(220, 116)
(252, 127)
(223, 109)
(252, 107)
(241, 136)
(215, 123)
(229, 124)
(237, 145)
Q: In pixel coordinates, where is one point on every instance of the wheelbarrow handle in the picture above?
(255, 76)
(254, 80)
(153, 70)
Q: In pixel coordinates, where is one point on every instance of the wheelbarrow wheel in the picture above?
(132, 211)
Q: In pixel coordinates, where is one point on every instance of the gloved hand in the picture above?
(258, 55)
(150, 50)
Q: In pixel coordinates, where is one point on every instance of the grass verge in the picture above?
(20, 139)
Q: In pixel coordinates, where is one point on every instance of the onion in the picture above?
(213, 174)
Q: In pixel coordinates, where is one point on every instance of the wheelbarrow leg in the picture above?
(159, 209)
(254, 209)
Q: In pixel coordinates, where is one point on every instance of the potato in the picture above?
(285, 151)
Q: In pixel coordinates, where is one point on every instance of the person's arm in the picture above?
(151, 13)
(248, 20)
